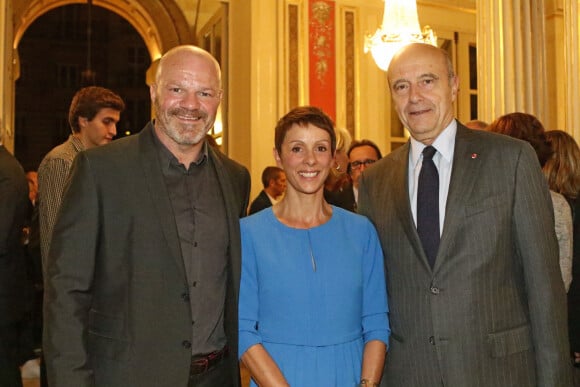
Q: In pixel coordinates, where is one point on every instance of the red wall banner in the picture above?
(322, 56)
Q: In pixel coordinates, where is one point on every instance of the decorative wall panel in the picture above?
(350, 69)
(293, 56)
(321, 51)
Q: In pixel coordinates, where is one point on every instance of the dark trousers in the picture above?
(220, 375)
(10, 355)
(43, 379)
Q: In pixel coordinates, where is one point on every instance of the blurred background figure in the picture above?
(526, 127)
(274, 182)
(338, 179)
(13, 294)
(338, 186)
(563, 173)
(93, 115)
(477, 124)
(361, 155)
(32, 178)
(32, 335)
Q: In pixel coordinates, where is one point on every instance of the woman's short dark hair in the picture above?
(302, 116)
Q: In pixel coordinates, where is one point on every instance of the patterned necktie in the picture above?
(428, 205)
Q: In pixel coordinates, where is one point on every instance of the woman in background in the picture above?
(563, 173)
(526, 127)
(338, 178)
(313, 306)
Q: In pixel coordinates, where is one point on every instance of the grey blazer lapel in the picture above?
(403, 203)
(467, 161)
(159, 195)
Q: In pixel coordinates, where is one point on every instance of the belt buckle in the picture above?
(206, 362)
(199, 366)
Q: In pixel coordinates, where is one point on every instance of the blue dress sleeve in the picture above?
(248, 305)
(375, 305)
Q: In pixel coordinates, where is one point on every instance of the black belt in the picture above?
(203, 363)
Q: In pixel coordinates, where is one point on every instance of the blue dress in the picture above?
(312, 297)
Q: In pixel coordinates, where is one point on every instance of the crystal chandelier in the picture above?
(400, 27)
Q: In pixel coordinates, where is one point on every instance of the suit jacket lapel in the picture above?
(159, 195)
(466, 164)
(403, 203)
(230, 201)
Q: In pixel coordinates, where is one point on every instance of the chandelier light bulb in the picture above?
(400, 27)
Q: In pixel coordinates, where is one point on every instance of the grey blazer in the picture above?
(492, 310)
(116, 311)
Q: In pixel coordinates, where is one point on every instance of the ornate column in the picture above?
(512, 59)
(253, 85)
(572, 59)
(8, 67)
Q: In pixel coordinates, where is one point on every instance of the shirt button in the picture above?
(435, 290)
(186, 344)
(185, 297)
(432, 340)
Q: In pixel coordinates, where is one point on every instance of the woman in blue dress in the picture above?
(313, 306)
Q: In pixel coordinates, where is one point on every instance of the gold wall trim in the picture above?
(350, 69)
(348, 57)
(293, 56)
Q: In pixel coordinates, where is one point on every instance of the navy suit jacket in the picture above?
(260, 202)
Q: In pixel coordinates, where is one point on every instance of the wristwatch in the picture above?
(368, 383)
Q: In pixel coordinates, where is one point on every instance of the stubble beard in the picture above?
(180, 133)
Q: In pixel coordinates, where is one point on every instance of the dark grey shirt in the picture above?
(200, 216)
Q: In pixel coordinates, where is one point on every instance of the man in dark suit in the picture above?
(144, 265)
(361, 154)
(274, 182)
(480, 300)
(13, 303)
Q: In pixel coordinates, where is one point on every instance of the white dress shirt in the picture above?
(443, 159)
